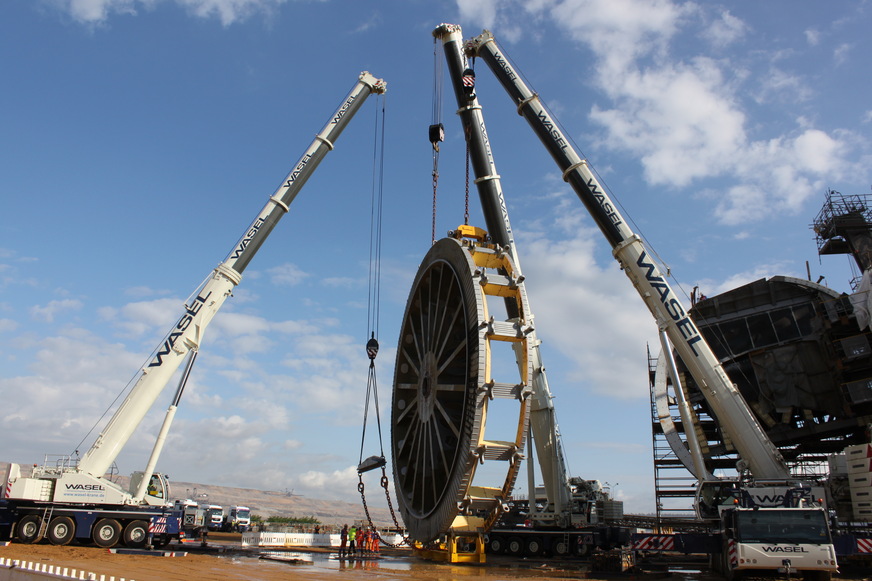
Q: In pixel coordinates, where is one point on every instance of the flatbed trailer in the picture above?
(579, 542)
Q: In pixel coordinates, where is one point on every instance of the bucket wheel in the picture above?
(443, 385)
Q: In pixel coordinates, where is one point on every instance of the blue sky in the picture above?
(140, 138)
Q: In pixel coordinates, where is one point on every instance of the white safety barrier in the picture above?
(18, 570)
(268, 539)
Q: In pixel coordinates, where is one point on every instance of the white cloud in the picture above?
(782, 87)
(781, 174)
(725, 30)
(334, 484)
(684, 118)
(143, 318)
(675, 120)
(8, 325)
(842, 52)
(710, 287)
(483, 12)
(588, 313)
(48, 312)
(287, 274)
(620, 31)
(227, 11)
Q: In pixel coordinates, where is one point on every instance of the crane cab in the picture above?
(158, 490)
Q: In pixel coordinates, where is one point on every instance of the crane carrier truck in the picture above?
(68, 498)
(747, 517)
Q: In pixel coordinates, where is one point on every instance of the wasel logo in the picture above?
(179, 329)
(778, 549)
(84, 487)
(504, 65)
(552, 129)
(343, 109)
(297, 170)
(249, 236)
(603, 201)
(671, 304)
(778, 499)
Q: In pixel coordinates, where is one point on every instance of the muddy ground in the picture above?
(223, 560)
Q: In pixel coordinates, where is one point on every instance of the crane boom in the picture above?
(543, 420)
(754, 446)
(186, 334)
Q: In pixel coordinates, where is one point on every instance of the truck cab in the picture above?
(238, 519)
(213, 516)
(778, 540)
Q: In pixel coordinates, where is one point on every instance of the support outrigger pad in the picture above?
(371, 463)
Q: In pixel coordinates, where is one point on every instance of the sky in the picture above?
(141, 137)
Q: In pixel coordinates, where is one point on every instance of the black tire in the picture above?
(106, 533)
(560, 548)
(28, 529)
(136, 534)
(533, 546)
(496, 545)
(61, 530)
(728, 572)
(515, 546)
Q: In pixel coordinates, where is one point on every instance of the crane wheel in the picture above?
(136, 534)
(443, 388)
(61, 530)
(534, 547)
(561, 548)
(106, 533)
(515, 546)
(29, 529)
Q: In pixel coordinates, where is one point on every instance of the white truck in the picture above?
(213, 516)
(71, 498)
(237, 519)
(812, 555)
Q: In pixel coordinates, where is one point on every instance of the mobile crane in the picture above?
(74, 499)
(785, 500)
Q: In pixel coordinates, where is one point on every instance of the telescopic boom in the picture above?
(754, 446)
(186, 335)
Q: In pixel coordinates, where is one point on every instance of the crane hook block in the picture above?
(372, 348)
(437, 133)
(469, 83)
(371, 463)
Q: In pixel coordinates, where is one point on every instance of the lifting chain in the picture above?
(435, 183)
(361, 487)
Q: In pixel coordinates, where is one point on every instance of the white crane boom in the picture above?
(754, 446)
(187, 333)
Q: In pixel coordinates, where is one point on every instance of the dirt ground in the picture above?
(242, 566)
